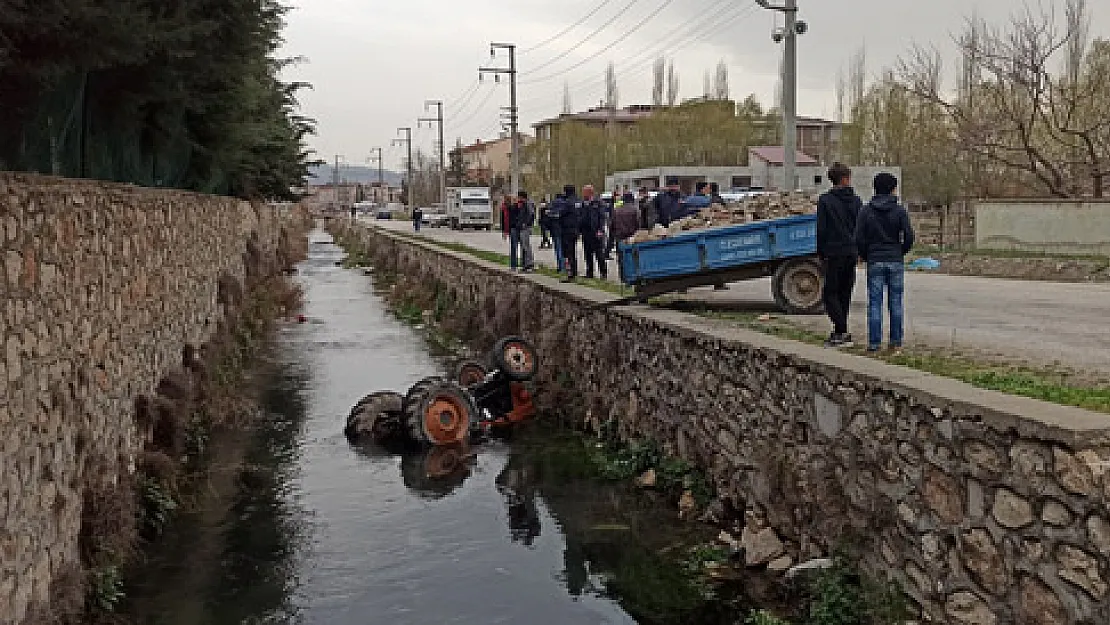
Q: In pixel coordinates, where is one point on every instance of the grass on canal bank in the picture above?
(1058, 386)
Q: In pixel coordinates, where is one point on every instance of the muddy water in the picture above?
(296, 526)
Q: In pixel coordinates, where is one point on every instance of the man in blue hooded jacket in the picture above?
(884, 236)
(569, 211)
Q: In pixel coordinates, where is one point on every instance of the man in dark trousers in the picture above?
(554, 226)
(569, 222)
(884, 236)
(837, 211)
(545, 231)
(592, 222)
(522, 216)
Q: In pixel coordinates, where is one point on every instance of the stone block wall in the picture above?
(102, 287)
(986, 508)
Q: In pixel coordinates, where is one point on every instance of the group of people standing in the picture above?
(878, 233)
(563, 222)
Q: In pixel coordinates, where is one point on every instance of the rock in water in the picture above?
(761, 546)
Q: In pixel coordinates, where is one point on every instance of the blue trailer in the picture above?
(785, 249)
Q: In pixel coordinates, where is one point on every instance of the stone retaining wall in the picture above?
(986, 508)
(102, 288)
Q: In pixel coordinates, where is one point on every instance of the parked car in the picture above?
(383, 212)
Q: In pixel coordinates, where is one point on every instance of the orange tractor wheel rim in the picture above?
(446, 421)
(518, 357)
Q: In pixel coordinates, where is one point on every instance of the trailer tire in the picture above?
(797, 287)
(516, 358)
(438, 412)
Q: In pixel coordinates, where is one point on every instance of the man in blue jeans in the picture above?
(884, 236)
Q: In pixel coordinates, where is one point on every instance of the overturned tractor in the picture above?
(438, 412)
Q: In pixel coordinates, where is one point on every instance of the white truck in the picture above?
(470, 207)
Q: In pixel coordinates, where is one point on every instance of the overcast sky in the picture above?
(373, 63)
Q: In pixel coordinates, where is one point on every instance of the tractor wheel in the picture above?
(516, 358)
(438, 412)
(470, 373)
(797, 286)
(376, 416)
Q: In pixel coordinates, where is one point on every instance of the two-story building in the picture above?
(486, 161)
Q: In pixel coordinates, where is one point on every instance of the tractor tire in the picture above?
(376, 416)
(516, 358)
(438, 412)
(470, 373)
(797, 287)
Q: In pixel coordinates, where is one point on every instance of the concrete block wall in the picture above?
(1076, 227)
(101, 288)
(986, 508)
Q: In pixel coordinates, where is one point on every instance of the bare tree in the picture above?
(720, 87)
(612, 94)
(1022, 116)
(672, 85)
(658, 74)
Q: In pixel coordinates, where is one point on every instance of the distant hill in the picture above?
(323, 174)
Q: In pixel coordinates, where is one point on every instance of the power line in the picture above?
(568, 51)
(477, 110)
(646, 58)
(461, 110)
(568, 28)
(463, 100)
(638, 26)
(667, 47)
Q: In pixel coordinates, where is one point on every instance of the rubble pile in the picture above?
(758, 208)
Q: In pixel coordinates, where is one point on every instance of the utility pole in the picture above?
(381, 174)
(789, 36)
(407, 142)
(438, 120)
(335, 181)
(514, 111)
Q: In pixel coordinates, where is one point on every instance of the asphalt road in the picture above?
(1045, 323)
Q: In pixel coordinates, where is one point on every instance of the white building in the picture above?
(765, 171)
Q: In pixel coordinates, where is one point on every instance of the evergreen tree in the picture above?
(184, 94)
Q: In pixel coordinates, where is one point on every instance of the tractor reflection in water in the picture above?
(433, 424)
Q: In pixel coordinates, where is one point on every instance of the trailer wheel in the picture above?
(470, 373)
(516, 358)
(438, 412)
(377, 416)
(797, 286)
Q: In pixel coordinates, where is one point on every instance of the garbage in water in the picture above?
(925, 264)
(439, 412)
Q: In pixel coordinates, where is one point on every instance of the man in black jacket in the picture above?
(884, 236)
(668, 205)
(837, 211)
(569, 211)
(592, 222)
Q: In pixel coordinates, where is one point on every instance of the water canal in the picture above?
(303, 528)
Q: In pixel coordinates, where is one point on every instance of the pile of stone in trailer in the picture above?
(763, 207)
